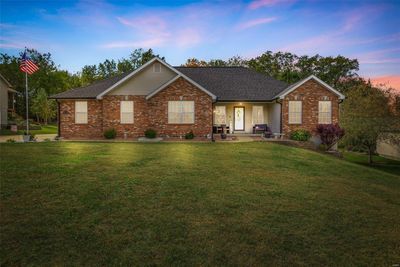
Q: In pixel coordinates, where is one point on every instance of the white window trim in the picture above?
(85, 121)
(262, 114)
(290, 120)
(181, 112)
(329, 113)
(132, 118)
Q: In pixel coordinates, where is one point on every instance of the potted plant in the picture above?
(26, 137)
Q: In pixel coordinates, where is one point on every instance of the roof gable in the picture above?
(5, 81)
(294, 86)
(130, 75)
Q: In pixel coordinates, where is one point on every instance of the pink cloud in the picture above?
(149, 43)
(379, 56)
(9, 43)
(263, 3)
(339, 36)
(148, 25)
(187, 37)
(392, 81)
(255, 22)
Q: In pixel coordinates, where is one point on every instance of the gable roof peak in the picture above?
(296, 85)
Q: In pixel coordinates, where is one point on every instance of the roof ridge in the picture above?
(205, 67)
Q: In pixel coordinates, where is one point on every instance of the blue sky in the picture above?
(87, 32)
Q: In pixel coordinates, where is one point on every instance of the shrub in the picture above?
(110, 133)
(300, 135)
(150, 133)
(330, 134)
(189, 135)
(11, 140)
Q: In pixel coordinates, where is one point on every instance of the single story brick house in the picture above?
(176, 100)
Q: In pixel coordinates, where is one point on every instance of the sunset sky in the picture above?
(78, 33)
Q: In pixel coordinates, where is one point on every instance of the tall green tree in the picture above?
(367, 116)
(89, 74)
(48, 77)
(42, 107)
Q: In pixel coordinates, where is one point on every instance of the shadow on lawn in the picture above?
(379, 163)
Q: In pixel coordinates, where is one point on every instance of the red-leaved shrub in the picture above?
(330, 134)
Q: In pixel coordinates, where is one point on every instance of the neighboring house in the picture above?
(7, 101)
(386, 148)
(176, 100)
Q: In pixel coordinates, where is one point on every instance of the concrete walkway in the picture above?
(18, 138)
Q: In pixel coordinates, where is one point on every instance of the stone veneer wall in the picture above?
(153, 113)
(309, 93)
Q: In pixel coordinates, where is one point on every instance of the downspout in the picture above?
(212, 121)
(58, 120)
(279, 101)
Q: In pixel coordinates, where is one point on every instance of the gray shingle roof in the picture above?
(227, 83)
(235, 83)
(90, 91)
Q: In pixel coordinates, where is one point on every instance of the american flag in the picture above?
(27, 65)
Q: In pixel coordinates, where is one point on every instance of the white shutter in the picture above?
(81, 112)
(126, 112)
(295, 112)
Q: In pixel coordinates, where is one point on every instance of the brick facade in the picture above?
(181, 90)
(152, 113)
(309, 93)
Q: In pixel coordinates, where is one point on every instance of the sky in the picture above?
(84, 32)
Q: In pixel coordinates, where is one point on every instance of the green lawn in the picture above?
(379, 163)
(72, 203)
(46, 129)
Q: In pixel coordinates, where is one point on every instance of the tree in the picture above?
(48, 77)
(291, 68)
(89, 74)
(107, 69)
(149, 55)
(194, 62)
(367, 116)
(42, 107)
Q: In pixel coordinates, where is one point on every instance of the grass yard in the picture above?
(71, 203)
(379, 163)
(46, 129)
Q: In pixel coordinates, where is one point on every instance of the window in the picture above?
(220, 115)
(295, 112)
(258, 115)
(81, 112)
(126, 111)
(157, 67)
(180, 112)
(324, 112)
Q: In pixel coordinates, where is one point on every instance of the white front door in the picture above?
(239, 118)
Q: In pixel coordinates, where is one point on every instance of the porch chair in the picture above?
(262, 128)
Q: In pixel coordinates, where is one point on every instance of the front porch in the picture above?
(241, 118)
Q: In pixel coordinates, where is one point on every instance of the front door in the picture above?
(239, 118)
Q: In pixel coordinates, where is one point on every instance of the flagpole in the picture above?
(27, 106)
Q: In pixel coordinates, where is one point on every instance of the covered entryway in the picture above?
(242, 117)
